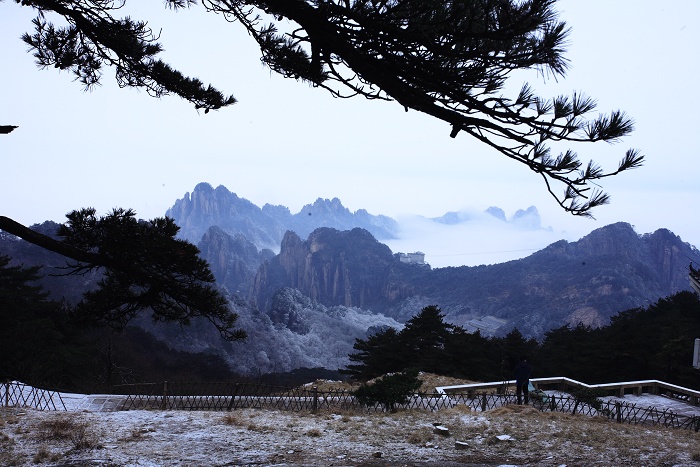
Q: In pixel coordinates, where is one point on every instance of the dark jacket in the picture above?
(522, 372)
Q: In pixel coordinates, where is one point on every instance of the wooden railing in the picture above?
(16, 394)
(478, 397)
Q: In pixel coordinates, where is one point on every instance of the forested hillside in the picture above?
(654, 342)
(304, 307)
(43, 345)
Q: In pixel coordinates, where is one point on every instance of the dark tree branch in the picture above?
(35, 238)
(94, 37)
(145, 268)
(449, 60)
(5, 129)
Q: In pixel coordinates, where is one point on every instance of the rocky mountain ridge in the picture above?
(610, 270)
(306, 305)
(265, 227)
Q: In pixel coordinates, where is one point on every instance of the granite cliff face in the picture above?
(349, 268)
(610, 270)
(233, 259)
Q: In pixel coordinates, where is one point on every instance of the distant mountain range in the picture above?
(265, 227)
(306, 285)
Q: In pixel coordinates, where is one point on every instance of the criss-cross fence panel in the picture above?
(16, 394)
(631, 414)
(620, 412)
(217, 396)
(230, 396)
(479, 401)
(339, 400)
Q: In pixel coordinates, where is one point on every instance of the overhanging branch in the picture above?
(44, 241)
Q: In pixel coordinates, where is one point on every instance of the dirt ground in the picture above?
(512, 435)
(90, 435)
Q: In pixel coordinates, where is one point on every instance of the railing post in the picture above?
(314, 408)
(163, 402)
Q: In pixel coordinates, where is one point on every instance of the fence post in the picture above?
(231, 404)
(575, 407)
(483, 402)
(163, 402)
(552, 403)
(314, 408)
(618, 409)
(7, 393)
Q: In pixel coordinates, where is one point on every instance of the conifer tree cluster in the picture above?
(428, 343)
(44, 345)
(638, 344)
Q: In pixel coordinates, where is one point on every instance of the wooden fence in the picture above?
(231, 396)
(16, 394)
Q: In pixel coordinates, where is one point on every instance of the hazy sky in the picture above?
(286, 143)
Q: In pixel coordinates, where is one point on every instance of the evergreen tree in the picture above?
(575, 353)
(657, 342)
(424, 340)
(513, 348)
(471, 356)
(41, 346)
(379, 354)
(422, 344)
(389, 390)
(36, 343)
(145, 269)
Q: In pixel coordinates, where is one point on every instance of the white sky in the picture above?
(286, 143)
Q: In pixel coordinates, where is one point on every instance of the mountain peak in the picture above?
(326, 206)
(265, 227)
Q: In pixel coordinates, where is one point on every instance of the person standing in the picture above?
(522, 380)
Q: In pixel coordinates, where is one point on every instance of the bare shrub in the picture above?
(7, 445)
(57, 428)
(232, 420)
(314, 433)
(5, 442)
(10, 460)
(83, 438)
(137, 434)
(419, 437)
(44, 454)
(259, 428)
